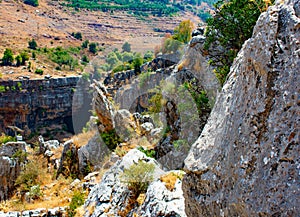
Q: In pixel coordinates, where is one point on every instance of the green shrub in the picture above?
(181, 143)
(32, 44)
(4, 138)
(76, 201)
(77, 35)
(20, 155)
(147, 152)
(230, 27)
(93, 48)
(34, 3)
(111, 139)
(85, 44)
(39, 71)
(28, 177)
(8, 57)
(2, 88)
(138, 176)
(144, 78)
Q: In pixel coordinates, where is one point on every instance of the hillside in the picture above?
(52, 25)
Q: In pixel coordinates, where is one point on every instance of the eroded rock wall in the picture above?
(30, 104)
(246, 161)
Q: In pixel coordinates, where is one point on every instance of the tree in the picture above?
(231, 26)
(77, 35)
(24, 57)
(126, 47)
(8, 57)
(85, 44)
(127, 57)
(137, 62)
(93, 47)
(34, 3)
(32, 44)
(112, 59)
(18, 60)
(183, 32)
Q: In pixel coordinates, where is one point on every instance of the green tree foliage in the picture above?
(127, 57)
(183, 32)
(8, 57)
(112, 59)
(18, 60)
(85, 44)
(63, 57)
(39, 71)
(126, 47)
(77, 35)
(137, 62)
(32, 44)
(93, 48)
(24, 57)
(34, 3)
(148, 56)
(231, 26)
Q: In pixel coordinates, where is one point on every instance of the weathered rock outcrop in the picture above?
(32, 104)
(113, 197)
(246, 161)
(55, 212)
(10, 167)
(103, 108)
(161, 201)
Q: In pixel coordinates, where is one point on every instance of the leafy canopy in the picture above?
(231, 26)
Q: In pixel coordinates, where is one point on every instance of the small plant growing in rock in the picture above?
(76, 201)
(147, 152)
(138, 177)
(5, 138)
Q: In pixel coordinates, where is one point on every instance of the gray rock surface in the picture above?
(10, 167)
(160, 201)
(92, 154)
(112, 195)
(55, 212)
(103, 108)
(246, 161)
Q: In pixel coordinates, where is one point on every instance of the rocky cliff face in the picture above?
(31, 104)
(10, 167)
(246, 161)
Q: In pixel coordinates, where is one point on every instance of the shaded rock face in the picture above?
(246, 161)
(69, 162)
(31, 104)
(92, 154)
(10, 168)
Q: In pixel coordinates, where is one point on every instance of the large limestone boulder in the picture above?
(10, 167)
(246, 161)
(111, 196)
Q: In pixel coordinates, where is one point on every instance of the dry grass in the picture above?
(170, 179)
(82, 139)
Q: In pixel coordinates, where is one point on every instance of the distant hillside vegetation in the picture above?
(144, 8)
